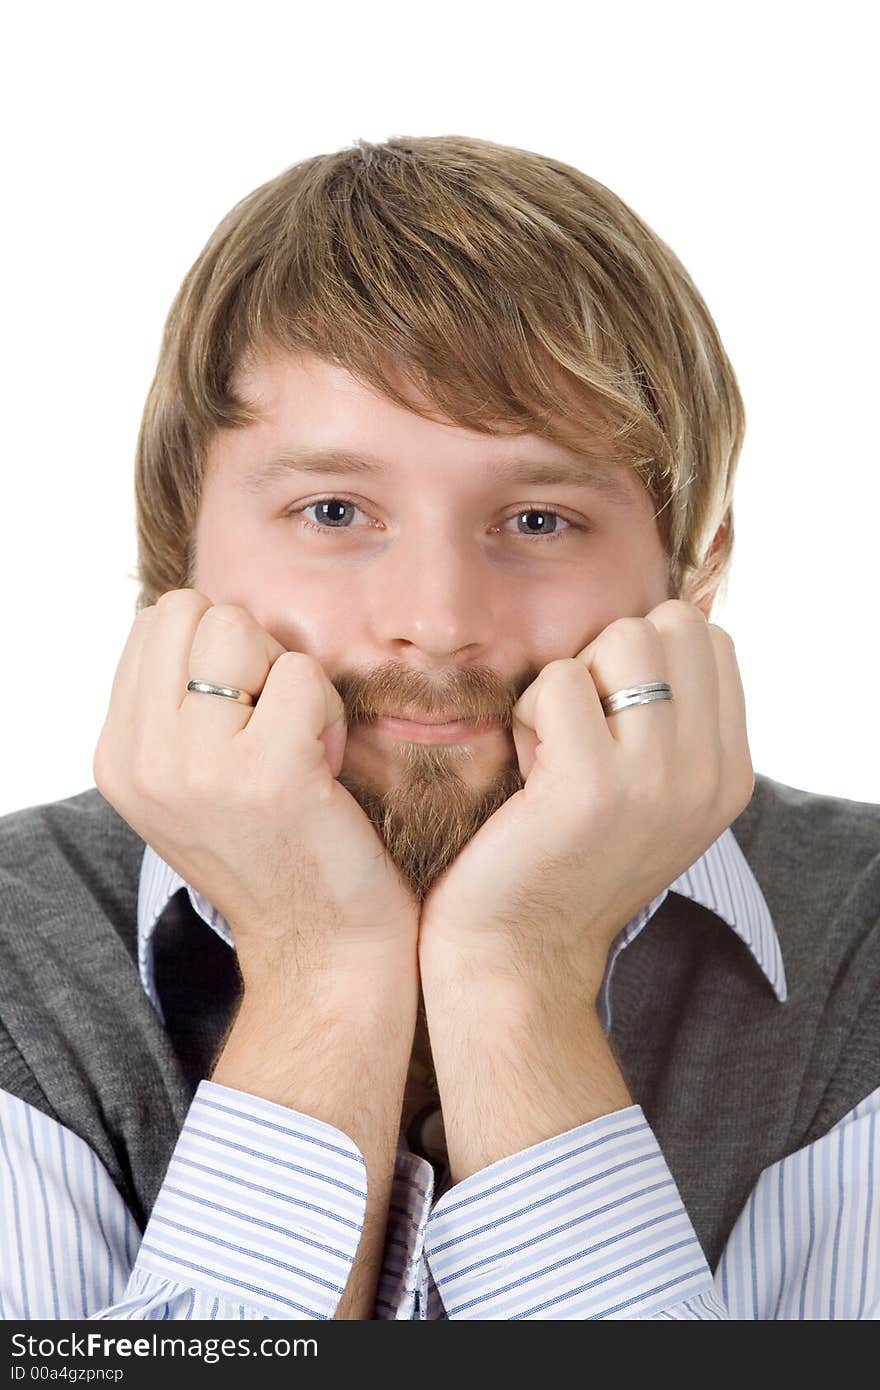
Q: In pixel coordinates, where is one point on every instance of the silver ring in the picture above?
(241, 697)
(636, 695)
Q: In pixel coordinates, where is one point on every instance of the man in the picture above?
(428, 947)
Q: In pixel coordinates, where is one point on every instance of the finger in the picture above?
(297, 705)
(562, 707)
(738, 778)
(123, 711)
(229, 648)
(126, 680)
(692, 674)
(164, 668)
(627, 653)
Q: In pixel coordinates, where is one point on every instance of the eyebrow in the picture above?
(583, 471)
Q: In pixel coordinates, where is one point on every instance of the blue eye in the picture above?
(544, 514)
(329, 520)
(332, 504)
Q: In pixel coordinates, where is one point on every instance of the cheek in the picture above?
(562, 623)
(306, 609)
(308, 613)
(229, 558)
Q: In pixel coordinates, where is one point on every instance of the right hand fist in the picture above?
(242, 801)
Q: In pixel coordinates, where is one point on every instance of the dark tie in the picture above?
(198, 984)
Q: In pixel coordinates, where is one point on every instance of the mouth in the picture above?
(414, 716)
(436, 729)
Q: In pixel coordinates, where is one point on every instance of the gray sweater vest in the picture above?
(730, 1079)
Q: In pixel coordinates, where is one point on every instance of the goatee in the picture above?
(427, 818)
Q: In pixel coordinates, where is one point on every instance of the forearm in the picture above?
(338, 1051)
(515, 1067)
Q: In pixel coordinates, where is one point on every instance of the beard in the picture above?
(432, 811)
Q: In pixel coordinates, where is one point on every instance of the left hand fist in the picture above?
(613, 808)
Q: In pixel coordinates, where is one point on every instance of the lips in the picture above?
(416, 717)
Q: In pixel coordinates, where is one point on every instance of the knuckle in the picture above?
(562, 668)
(230, 616)
(676, 613)
(178, 599)
(682, 610)
(631, 625)
(295, 666)
(721, 635)
(624, 631)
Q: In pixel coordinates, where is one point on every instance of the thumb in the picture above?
(526, 741)
(335, 733)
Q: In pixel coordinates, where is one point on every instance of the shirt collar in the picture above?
(720, 880)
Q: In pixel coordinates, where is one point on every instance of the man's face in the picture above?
(438, 585)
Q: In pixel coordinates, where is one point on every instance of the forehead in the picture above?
(315, 417)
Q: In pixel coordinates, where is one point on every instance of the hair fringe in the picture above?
(512, 291)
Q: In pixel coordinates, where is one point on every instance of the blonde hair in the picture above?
(513, 291)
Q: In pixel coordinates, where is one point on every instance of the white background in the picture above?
(746, 137)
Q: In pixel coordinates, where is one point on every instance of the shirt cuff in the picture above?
(402, 1291)
(589, 1224)
(260, 1205)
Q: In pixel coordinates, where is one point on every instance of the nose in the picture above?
(431, 591)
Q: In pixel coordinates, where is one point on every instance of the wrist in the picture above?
(350, 984)
(511, 975)
(322, 1050)
(516, 1066)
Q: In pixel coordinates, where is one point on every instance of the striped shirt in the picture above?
(261, 1208)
